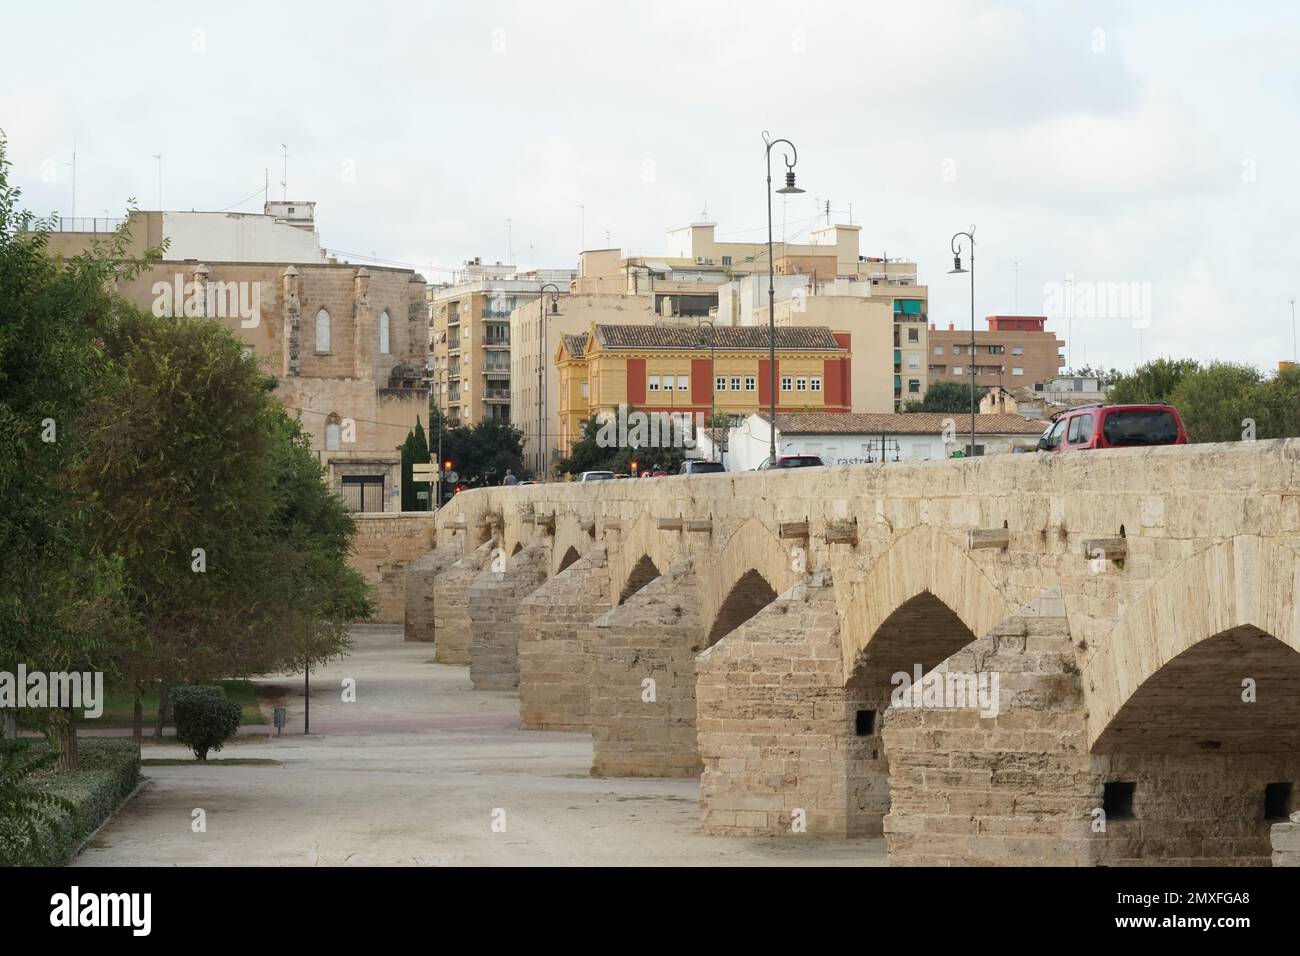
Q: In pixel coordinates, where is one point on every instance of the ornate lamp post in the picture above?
(788, 189)
(541, 367)
(958, 270)
(713, 374)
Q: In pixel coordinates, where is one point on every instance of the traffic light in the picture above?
(633, 467)
(446, 465)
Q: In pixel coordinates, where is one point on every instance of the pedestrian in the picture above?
(510, 478)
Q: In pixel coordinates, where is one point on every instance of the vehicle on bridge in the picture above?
(596, 476)
(791, 461)
(1114, 426)
(694, 467)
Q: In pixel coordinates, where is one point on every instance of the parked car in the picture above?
(596, 476)
(1114, 426)
(791, 461)
(696, 467)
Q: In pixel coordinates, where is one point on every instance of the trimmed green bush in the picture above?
(109, 771)
(204, 717)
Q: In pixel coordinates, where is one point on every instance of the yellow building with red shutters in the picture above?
(698, 370)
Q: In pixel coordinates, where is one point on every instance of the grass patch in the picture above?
(109, 770)
(119, 706)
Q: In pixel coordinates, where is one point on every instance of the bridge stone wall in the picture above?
(554, 656)
(1106, 589)
(495, 600)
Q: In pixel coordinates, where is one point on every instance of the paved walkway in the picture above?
(415, 772)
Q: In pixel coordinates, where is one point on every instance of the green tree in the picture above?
(487, 446)
(594, 452)
(1279, 405)
(1104, 376)
(1153, 382)
(181, 463)
(415, 451)
(946, 396)
(1215, 401)
(60, 594)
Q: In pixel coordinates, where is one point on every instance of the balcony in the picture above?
(497, 371)
(496, 341)
(453, 318)
(496, 394)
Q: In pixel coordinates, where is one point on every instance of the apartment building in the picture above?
(891, 367)
(680, 369)
(1014, 350)
(469, 362)
(536, 331)
(345, 343)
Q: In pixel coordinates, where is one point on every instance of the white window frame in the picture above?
(652, 383)
(735, 383)
(683, 383)
(958, 370)
(815, 383)
(1017, 350)
(1017, 370)
(751, 383)
(720, 383)
(787, 383)
(801, 384)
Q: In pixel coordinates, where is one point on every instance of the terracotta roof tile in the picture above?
(788, 338)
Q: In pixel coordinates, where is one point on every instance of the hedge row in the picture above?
(109, 771)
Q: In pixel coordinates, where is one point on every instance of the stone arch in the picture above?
(747, 597)
(568, 559)
(569, 536)
(752, 568)
(643, 572)
(1240, 588)
(642, 540)
(921, 562)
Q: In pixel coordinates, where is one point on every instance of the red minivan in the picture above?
(1114, 426)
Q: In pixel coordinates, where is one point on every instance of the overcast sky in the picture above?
(1150, 144)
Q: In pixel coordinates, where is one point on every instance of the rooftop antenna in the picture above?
(73, 164)
(266, 186)
(704, 216)
(284, 183)
(510, 242)
(1016, 300)
(828, 212)
(1295, 353)
(158, 156)
(850, 214)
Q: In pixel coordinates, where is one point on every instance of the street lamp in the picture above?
(713, 374)
(445, 372)
(541, 364)
(788, 189)
(958, 270)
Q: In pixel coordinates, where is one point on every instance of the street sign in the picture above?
(427, 472)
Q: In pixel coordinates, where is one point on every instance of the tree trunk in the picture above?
(164, 690)
(63, 734)
(137, 722)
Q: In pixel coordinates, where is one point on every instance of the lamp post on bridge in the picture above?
(541, 366)
(788, 189)
(958, 270)
(713, 376)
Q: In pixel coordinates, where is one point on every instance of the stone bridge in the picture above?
(1103, 647)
